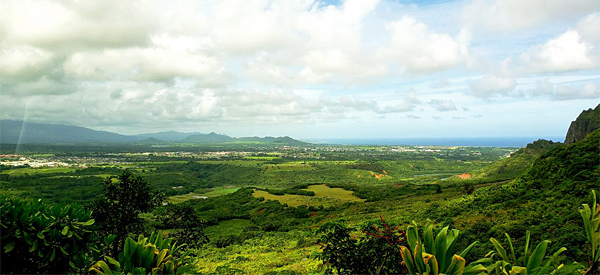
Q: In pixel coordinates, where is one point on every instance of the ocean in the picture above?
(439, 141)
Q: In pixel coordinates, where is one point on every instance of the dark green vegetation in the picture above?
(258, 209)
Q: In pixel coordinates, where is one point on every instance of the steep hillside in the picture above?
(544, 200)
(518, 162)
(586, 122)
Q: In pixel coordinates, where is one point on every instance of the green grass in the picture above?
(324, 196)
(211, 192)
(220, 191)
(273, 252)
(32, 171)
(185, 197)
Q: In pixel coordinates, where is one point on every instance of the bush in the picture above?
(37, 238)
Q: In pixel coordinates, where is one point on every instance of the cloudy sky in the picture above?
(303, 68)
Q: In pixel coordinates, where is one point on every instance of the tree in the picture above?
(117, 211)
(183, 223)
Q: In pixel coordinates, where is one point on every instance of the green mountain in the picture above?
(170, 136)
(208, 138)
(586, 122)
(20, 132)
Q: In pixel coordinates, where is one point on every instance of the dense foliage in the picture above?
(37, 238)
(374, 252)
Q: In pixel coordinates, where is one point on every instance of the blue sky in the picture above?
(307, 69)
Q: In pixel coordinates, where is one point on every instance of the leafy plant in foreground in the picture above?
(591, 223)
(435, 255)
(153, 255)
(527, 264)
(37, 238)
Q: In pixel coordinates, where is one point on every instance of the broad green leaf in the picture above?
(63, 250)
(9, 247)
(407, 259)
(65, 230)
(419, 259)
(451, 238)
(440, 248)
(519, 270)
(537, 255)
(457, 265)
(500, 249)
(465, 252)
(428, 238)
(412, 237)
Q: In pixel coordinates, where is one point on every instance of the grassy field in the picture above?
(33, 171)
(324, 196)
(211, 192)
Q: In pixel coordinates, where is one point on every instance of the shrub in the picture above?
(37, 238)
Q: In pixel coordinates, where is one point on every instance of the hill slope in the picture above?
(515, 165)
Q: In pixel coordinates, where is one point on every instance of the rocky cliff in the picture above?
(586, 122)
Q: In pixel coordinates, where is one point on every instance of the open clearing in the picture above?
(324, 196)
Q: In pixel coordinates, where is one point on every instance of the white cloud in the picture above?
(72, 24)
(590, 90)
(442, 105)
(565, 91)
(510, 15)
(24, 62)
(566, 52)
(142, 64)
(491, 86)
(418, 49)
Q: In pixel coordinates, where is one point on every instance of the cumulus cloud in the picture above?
(442, 105)
(491, 86)
(572, 50)
(419, 49)
(566, 52)
(509, 15)
(73, 24)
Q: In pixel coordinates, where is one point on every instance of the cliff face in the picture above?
(586, 122)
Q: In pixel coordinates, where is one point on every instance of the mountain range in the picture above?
(21, 132)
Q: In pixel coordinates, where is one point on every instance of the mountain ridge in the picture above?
(21, 132)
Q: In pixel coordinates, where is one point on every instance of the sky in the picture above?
(302, 68)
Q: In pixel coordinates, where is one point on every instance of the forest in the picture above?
(302, 209)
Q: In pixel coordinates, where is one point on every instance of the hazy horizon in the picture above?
(301, 68)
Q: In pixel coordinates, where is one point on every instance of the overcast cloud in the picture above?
(303, 68)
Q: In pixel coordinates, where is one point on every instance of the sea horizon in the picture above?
(438, 141)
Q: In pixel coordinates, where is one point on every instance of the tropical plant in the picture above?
(526, 264)
(435, 255)
(154, 255)
(591, 223)
(37, 238)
